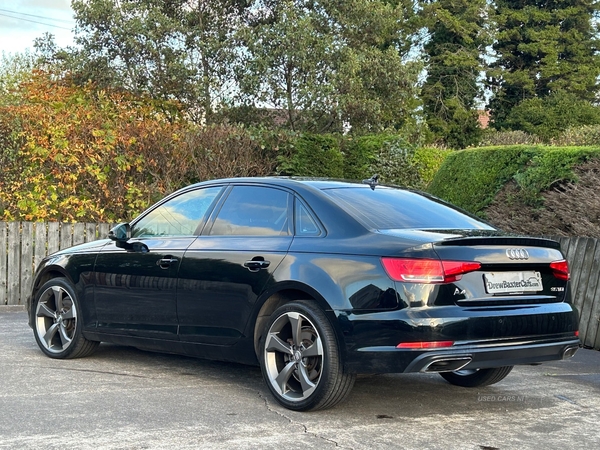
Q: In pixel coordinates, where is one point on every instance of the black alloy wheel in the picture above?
(300, 358)
(57, 327)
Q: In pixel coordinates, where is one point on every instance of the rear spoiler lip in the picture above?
(459, 237)
(523, 241)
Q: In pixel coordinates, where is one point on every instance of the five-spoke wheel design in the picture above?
(57, 328)
(300, 358)
(293, 356)
(56, 319)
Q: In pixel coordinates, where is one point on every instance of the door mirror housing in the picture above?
(120, 233)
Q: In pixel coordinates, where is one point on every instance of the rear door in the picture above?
(227, 267)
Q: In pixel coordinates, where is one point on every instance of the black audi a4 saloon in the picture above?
(316, 281)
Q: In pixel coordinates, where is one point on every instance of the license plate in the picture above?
(512, 282)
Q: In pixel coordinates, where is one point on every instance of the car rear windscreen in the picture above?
(388, 208)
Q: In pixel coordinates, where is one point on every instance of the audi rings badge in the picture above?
(519, 254)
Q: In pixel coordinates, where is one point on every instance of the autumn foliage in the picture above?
(73, 153)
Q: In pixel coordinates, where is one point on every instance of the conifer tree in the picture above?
(543, 47)
(457, 38)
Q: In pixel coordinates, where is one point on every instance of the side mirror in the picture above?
(120, 233)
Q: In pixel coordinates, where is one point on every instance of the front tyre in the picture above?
(300, 358)
(57, 326)
(477, 377)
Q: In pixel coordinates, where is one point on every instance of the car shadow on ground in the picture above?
(380, 396)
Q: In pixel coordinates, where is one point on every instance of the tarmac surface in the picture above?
(124, 398)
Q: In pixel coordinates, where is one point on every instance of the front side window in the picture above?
(253, 211)
(180, 216)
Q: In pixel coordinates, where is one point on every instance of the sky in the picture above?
(21, 21)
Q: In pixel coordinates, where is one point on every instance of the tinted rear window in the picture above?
(388, 208)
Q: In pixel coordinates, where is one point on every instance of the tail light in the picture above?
(560, 269)
(427, 270)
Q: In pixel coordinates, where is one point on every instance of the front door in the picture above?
(135, 290)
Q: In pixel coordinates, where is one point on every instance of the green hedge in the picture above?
(472, 178)
(356, 158)
(313, 155)
(427, 162)
(361, 153)
(549, 166)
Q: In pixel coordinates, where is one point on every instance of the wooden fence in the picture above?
(24, 244)
(583, 255)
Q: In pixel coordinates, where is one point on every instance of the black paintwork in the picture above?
(202, 294)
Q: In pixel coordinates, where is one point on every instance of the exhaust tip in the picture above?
(445, 364)
(570, 351)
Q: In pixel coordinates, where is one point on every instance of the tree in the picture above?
(542, 48)
(318, 64)
(547, 117)
(14, 69)
(179, 49)
(287, 63)
(457, 37)
(331, 62)
(376, 76)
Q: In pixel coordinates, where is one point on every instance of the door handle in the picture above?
(255, 265)
(166, 262)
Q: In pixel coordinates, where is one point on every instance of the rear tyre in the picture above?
(477, 377)
(300, 358)
(57, 326)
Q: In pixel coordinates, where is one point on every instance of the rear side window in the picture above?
(305, 224)
(253, 211)
(388, 208)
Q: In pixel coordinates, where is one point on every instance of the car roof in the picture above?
(318, 183)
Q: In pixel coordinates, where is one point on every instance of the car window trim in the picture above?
(216, 210)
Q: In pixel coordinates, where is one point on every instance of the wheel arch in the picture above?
(46, 274)
(286, 293)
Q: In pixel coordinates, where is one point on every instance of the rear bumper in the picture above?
(482, 337)
(485, 356)
(462, 356)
